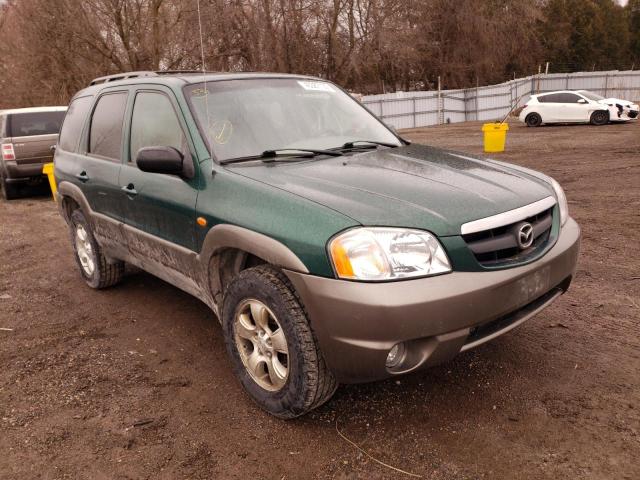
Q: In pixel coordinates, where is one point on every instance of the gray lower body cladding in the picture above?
(437, 317)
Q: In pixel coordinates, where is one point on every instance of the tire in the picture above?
(9, 191)
(599, 117)
(94, 267)
(533, 120)
(308, 382)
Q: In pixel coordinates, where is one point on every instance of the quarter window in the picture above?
(154, 124)
(105, 135)
(571, 98)
(73, 123)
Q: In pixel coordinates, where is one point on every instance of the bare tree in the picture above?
(49, 50)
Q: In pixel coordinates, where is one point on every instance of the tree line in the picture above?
(51, 49)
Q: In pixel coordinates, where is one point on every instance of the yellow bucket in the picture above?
(495, 136)
(47, 169)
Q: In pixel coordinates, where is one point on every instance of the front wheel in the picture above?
(533, 120)
(599, 117)
(272, 348)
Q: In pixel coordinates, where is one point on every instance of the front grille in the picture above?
(499, 246)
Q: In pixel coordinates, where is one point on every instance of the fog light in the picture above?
(396, 355)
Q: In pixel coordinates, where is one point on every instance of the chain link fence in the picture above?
(493, 102)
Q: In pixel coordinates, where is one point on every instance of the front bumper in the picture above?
(631, 112)
(623, 113)
(357, 323)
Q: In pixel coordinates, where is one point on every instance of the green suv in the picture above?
(330, 249)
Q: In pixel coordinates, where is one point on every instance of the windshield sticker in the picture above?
(199, 92)
(221, 131)
(314, 95)
(316, 86)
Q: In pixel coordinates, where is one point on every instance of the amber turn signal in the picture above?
(341, 260)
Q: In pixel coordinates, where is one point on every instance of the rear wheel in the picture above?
(533, 120)
(273, 350)
(599, 117)
(9, 191)
(95, 268)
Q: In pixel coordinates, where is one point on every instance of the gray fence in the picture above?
(420, 109)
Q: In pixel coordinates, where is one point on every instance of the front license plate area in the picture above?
(531, 286)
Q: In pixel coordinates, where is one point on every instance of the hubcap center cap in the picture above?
(263, 344)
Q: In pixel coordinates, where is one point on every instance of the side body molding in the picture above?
(147, 252)
(231, 236)
(187, 270)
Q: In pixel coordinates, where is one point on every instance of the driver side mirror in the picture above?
(582, 100)
(165, 160)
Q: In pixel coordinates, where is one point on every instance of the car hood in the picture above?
(619, 101)
(414, 186)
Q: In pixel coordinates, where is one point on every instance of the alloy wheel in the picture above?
(85, 251)
(262, 345)
(600, 118)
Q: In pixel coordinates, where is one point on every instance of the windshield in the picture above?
(35, 123)
(590, 95)
(248, 117)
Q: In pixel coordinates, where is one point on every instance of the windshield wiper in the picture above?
(271, 155)
(353, 143)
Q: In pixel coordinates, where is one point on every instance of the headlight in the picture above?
(387, 254)
(562, 201)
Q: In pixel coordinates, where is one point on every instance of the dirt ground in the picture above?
(133, 382)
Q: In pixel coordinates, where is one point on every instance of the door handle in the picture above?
(82, 176)
(130, 189)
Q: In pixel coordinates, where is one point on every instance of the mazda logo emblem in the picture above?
(524, 235)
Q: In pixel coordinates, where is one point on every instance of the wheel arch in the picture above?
(71, 198)
(606, 111)
(229, 249)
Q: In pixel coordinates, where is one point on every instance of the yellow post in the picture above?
(47, 169)
(495, 136)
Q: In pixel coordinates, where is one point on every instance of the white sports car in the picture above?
(580, 106)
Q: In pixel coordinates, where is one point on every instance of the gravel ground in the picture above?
(133, 382)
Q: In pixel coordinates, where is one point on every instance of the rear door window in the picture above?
(552, 98)
(34, 123)
(154, 123)
(73, 123)
(105, 132)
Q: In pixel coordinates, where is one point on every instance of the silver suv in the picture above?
(27, 136)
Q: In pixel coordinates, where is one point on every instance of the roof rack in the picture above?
(170, 72)
(142, 73)
(122, 76)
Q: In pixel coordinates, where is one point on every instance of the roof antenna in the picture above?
(204, 72)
